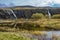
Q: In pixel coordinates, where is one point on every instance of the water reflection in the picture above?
(43, 35)
(56, 35)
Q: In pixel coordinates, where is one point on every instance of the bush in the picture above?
(28, 26)
(56, 16)
(38, 16)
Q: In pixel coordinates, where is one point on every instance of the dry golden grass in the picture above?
(39, 33)
(43, 23)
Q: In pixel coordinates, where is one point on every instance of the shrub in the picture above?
(29, 26)
(56, 16)
(37, 16)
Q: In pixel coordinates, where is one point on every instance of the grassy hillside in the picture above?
(19, 35)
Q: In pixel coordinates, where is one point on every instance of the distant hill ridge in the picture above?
(28, 6)
(27, 11)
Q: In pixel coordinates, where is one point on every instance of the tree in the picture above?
(37, 16)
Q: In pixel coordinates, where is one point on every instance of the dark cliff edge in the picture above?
(27, 11)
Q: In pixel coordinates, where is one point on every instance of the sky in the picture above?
(38, 3)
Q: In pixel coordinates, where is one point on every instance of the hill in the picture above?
(27, 11)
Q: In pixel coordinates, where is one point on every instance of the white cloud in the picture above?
(42, 2)
(57, 1)
(32, 2)
(47, 2)
(35, 2)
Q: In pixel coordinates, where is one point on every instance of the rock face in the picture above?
(26, 12)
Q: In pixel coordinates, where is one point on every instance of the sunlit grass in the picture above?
(13, 36)
(26, 35)
(30, 24)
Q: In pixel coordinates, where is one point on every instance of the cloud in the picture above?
(35, 2)
(48, 3)
(57, 1)
(44, 2)
(32, 2)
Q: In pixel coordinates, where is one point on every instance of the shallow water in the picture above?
(48, 36)
(56, 33)
(40, 37)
